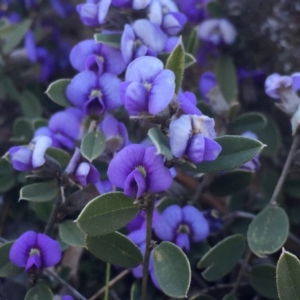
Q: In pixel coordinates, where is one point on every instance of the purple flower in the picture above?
(115, 132)
(252, 165)
(173, 22)
(148, 87)
(93, 13)
(207, 82)
(103, 187)
(193, 135)
(35, 251)
(67, 297)
(214, 220)
(137, 222)
(94, 94)
(187, 102)
(195, 10)
(170, 44)
(64, 128)
(137, 170)
(81, 171)
(181, 225)
(89, 55)
(26, 158)
(135, 4)
(30, 46)
(217, 31)
(140, 39)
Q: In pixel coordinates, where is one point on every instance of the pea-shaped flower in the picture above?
(148, 87)
(192, 136)
(137, 170)
(181, 225)
(35, 251)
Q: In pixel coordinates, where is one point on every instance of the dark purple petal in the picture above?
(79, 90)
(195, 150)
(103, 187)
(198, 224)
(135, 184)
(20, 250)
(136, 223)
(136, 98)
(93, 175)
(30, 46)
(20, 157)
(187, 102)
(121, 3)
(67, 297)
(207, 82)
(211, 150)
(183, 241)
(158, 176)
(34, 260)
(41, 144)
(161, 92)
(180, 134)
(49, 249)
(166, 224)
(94, 106)
(138, 236)
(124, 163)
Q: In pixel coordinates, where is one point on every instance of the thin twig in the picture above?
(73, 291)
(107, 276)
(149, 216)
(201, 186)
(285, 169)
(111, 283)
(218, 287)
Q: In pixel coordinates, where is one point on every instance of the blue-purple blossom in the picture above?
(138, 170)
(104, 186)
(187, 102)
(115, 132)
(252, 165)
(134, 4)
(207, 82)
(35, 251)
(93, 12)
(94, 94)
(181, 225)
(214, 220)
(170, 44)
(217, 31)
(192, 136)
(140, 39)
(81, 171)
(64, 128)
(67, 297)
(148, 87)
(195, 10)
(27, 158)
(89, 55)
(276, 83)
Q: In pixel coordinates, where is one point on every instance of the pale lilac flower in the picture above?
(138, 170)
(35, 251)
(187, 102)
(181, 225)
(148, 87)
(192, 136)
(104, 186)
(217, 31)
(26, 158)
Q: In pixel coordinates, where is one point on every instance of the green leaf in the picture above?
(222, 258)
(263, 279)
(7, 183)
(215, 10)
(192, 42)
(39, 122)
(189, 60)
(22, 130)
(107, 213)
(92, 145)
(172, 270)
(175, 63)
(30, 105)
(71, 234)
(57, 92)
(230, 183)
(236, 151)
(115, 248)
(249, 122)
(7, 268)
(202, 297)
(166, 202)
(110, 39)
(136, 291)
(39, 292)
(161, 142)
(292, 187)
(268, 231)
(15, 36)
(61, 156)
(226, 77)
(287, 276)
(43, 209)
(39, 192)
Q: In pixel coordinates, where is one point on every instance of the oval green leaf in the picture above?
(230, 183)
(57, 92)
(236, 151)
(107, 213)
(30, 105)
(161, 142)
(222, 258)
(111, 39)
(71, 234)
(172, 270)
(268, 231)
(43, 209)
(93, 145)
(287, 276)
(61, 156)
(249, 122)
(175, 63)
(22, 130)
(39, 292)
(115, 248)
(263, 279)
(7, 268)
(39, 192)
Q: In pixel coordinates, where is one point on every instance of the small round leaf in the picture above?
(39, 192)
(71, 234)
(39, 292)
(93, 145)
(7, 268)
(57, 92)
